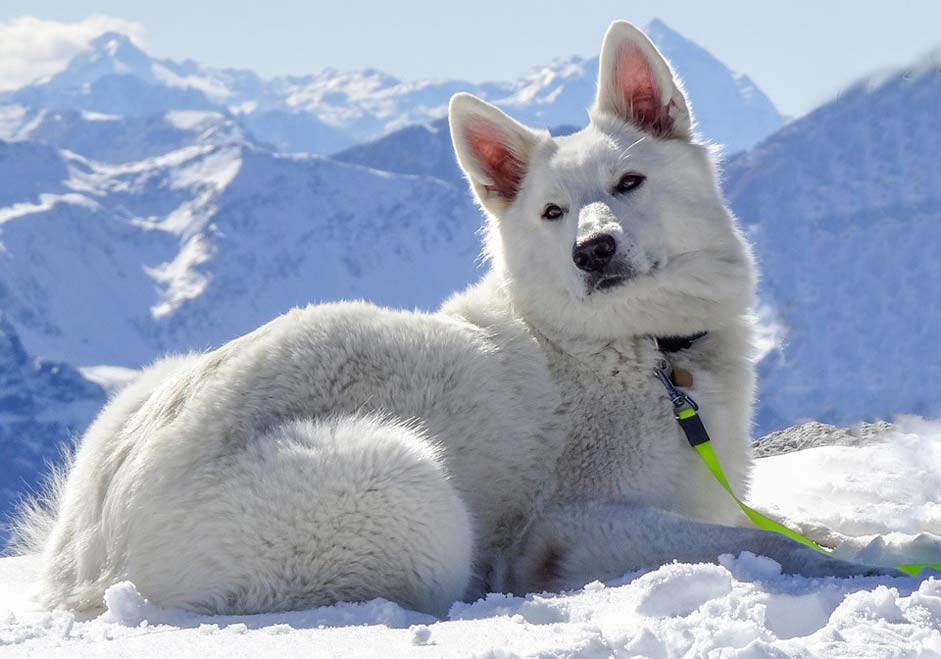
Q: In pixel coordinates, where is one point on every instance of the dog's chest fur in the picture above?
(622, 439)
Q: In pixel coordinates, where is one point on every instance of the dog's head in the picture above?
(619, 229)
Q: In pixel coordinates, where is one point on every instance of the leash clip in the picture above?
(680, 399)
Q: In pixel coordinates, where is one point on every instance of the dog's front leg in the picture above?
(574, 544)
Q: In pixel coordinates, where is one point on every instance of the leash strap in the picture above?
(686, 412)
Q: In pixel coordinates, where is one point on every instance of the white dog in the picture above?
(515, 440)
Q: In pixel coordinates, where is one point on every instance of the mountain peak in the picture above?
(659, 31)
(657, 25)
(111, 40)
(116, 46)
(109, 53)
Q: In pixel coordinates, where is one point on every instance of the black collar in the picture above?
(677, 343)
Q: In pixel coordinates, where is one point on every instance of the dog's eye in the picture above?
(629, 182)
(552, 212)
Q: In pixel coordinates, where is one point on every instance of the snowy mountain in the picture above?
(115, 77)
(741, 607)
(729, 109)
(113, 264)
(331, 110)
(42, 404)
(844, 206)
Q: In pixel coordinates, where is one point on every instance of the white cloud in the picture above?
(31, 48)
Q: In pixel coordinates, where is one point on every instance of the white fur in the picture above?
(517, 438)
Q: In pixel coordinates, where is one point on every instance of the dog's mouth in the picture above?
(619, 277)
(610, 281)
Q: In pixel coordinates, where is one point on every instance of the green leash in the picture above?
(685, 410)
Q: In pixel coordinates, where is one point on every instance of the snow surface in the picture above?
(743, 607)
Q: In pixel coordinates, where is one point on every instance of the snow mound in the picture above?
(876, 497)
(678, 590)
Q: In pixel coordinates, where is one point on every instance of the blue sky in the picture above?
(800, 52)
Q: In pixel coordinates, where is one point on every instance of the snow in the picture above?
(47, 202)
(181, 279)
(98, 116)
(110, 378)
(879, 498)
(741, 607)
(15, 120)
(192, 119)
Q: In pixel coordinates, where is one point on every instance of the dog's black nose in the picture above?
(595, 253)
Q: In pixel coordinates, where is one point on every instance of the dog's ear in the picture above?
(492, 149)
(636, 84)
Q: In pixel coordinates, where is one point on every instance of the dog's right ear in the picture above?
(492, 149)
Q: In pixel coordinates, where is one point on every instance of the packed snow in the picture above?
(741, 607)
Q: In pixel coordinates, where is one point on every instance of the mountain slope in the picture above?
(112, 264)
(843, 208)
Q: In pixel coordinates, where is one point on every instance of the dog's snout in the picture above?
(594, 254)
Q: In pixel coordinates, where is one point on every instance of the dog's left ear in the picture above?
(635, 83)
